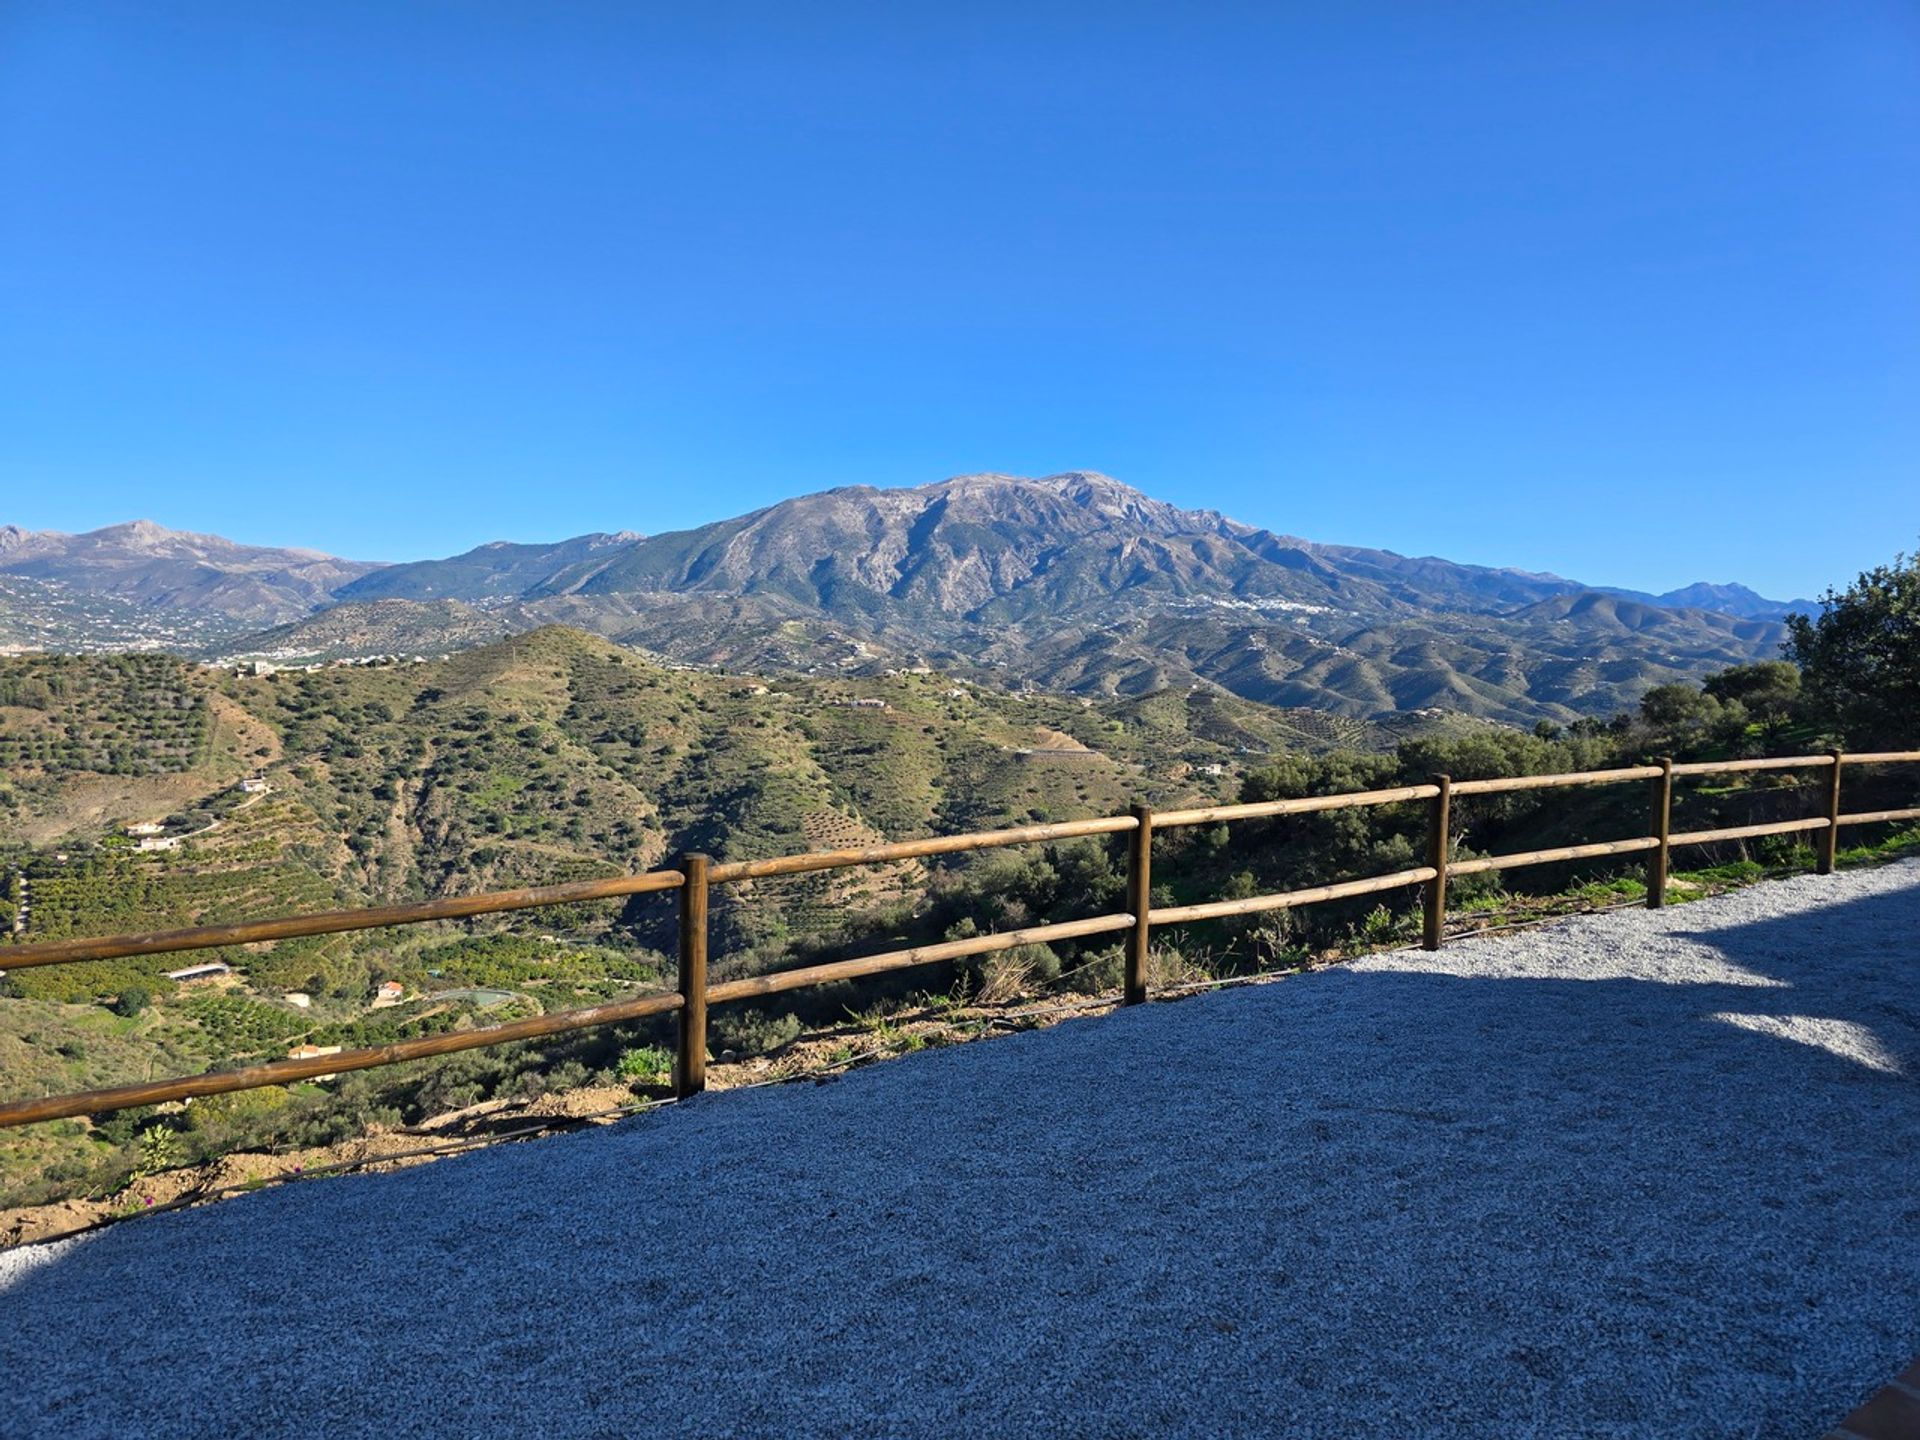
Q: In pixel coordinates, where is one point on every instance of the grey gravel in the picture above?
(1636, 1174)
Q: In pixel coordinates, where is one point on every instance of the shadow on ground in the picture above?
(1640, 1174)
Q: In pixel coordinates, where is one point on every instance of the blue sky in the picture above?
(1628, 292)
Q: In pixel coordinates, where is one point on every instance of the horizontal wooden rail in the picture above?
(1482, 863)
(287, 1072)
(1306, 804)
(780, 980)
(1747, 832)
(1729, 767)
(1287, 900)
(917, 849)
(1548, 782)
(330, 922)
(696, 873)
(1877, 817)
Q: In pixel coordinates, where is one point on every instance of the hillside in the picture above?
(154, 567)
(548, 757)
(1068, 582)
(558, 744)
(53, 615)
(374, 627)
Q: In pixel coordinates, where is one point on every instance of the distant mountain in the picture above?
(1072, 581)
(1735, 600)
(500, 570)
(149, 565)
(376, 627)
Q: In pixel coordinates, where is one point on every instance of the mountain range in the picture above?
(1070, 582)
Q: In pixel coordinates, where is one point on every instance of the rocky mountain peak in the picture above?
(139, 535)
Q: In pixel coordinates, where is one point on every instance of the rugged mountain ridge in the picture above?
(1072, 581)
(150, 565)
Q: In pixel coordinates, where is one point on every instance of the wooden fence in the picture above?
(693, 877)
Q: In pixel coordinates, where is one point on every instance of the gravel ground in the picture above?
(1639, 1174)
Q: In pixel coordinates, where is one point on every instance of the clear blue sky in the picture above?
(1626, 291)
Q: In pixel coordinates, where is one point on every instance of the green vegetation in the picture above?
(557, 756)
(1861, 656)
(108, 715)
(648, 1064)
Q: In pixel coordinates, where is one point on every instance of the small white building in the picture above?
(145, 827)
(391, 992)
(158, 842)
(254, 785)
(299, 999)
(211, 970)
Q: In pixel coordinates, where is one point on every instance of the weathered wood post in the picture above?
(1442, 818)
(690, 1063)
(1139, 902)
(1658, 857)
(1830, 837)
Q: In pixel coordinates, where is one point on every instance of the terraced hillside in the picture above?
(549, 757)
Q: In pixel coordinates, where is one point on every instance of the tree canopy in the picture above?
(1860, 657)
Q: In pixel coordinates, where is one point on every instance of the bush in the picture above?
(754, 1032)
(131, 1000)
(646, 1063)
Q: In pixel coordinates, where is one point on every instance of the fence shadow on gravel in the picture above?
(1469, 1180)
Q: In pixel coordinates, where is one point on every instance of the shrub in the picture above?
(754, 1032)
(647, 1062)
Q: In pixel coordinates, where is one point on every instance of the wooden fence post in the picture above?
(690, 1062)
(1436, 917)
(1139, 902)
(1658, 857)
(1830, 837)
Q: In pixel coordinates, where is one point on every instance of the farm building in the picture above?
(211, 970)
